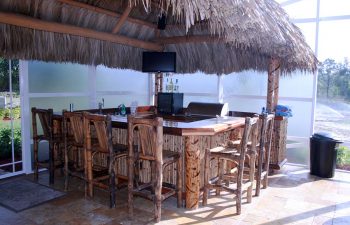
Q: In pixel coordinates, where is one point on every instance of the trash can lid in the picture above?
(326, 136)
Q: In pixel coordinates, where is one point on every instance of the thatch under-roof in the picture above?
(218, 36)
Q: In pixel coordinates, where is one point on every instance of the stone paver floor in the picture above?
(293, 197)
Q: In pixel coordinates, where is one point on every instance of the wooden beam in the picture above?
(107, 12)
(188, 39)
(32, 23)
(122, 19)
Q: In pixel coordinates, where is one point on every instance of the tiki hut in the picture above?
(215, 37)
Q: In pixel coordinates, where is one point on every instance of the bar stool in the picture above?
(73, 136)
(237, 156)
(95, 175)
(149, 133)
(267, 122)
(50, 134)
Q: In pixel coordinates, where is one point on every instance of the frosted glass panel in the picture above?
(334, 7)
(108, 79)
(300, 124)
(54, 77)
(309, 32)
(245, 104)
(195, 83)
(334, 40)
(188, 99)
(301, 9)
(60, 103)
(245, 83)
(57, 104)
(113, 101)
(299, 153)
(298, 85)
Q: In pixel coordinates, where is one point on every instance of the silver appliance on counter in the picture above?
(207, 109)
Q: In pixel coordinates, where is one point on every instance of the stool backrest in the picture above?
(103, 127)
(73, 125)
(250, 134)
(45, 118)
(266, 132)
(150, 137)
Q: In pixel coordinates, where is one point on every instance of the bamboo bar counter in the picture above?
(190, 136)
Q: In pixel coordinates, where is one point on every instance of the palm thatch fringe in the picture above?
(249, 33)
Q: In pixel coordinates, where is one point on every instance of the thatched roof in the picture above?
(217, 36)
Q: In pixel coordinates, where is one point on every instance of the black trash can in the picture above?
(323, 154)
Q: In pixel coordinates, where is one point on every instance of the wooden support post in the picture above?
(192, 154)
(277, 69)
(273, 67)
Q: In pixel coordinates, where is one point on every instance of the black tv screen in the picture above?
(153, 62)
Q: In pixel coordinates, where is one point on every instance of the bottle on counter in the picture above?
(133, 108)
(71, 107)
(176, 86)
(167, 85)
(171, 85)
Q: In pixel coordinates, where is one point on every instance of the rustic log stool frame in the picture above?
(73, 136)
(103, 128)
(46, 120)
(150, 148)
(237, 156)
(267, 122)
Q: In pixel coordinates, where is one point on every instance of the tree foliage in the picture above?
(4, 75)
(334, 79)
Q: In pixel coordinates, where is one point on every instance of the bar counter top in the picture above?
(188, 126)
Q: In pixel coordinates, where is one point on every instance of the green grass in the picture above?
(7, 123)
(343, 157)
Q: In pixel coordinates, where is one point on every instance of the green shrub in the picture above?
(6, 113)
(343, 156)
(2, 112)
(5, 143)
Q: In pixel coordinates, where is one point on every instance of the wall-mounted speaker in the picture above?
(162, 22)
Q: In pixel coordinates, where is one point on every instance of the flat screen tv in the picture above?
(153, 62)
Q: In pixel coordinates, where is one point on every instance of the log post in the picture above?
(192, 154)
(277, 70)
(273, 67)
(158, 87)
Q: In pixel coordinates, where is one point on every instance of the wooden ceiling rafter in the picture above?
(107, 12)
(122, 19)
(188, 39)
(37, 24)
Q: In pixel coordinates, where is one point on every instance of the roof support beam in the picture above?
(188, 39)
(29, 22)
(106, 12)
(122, 19)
